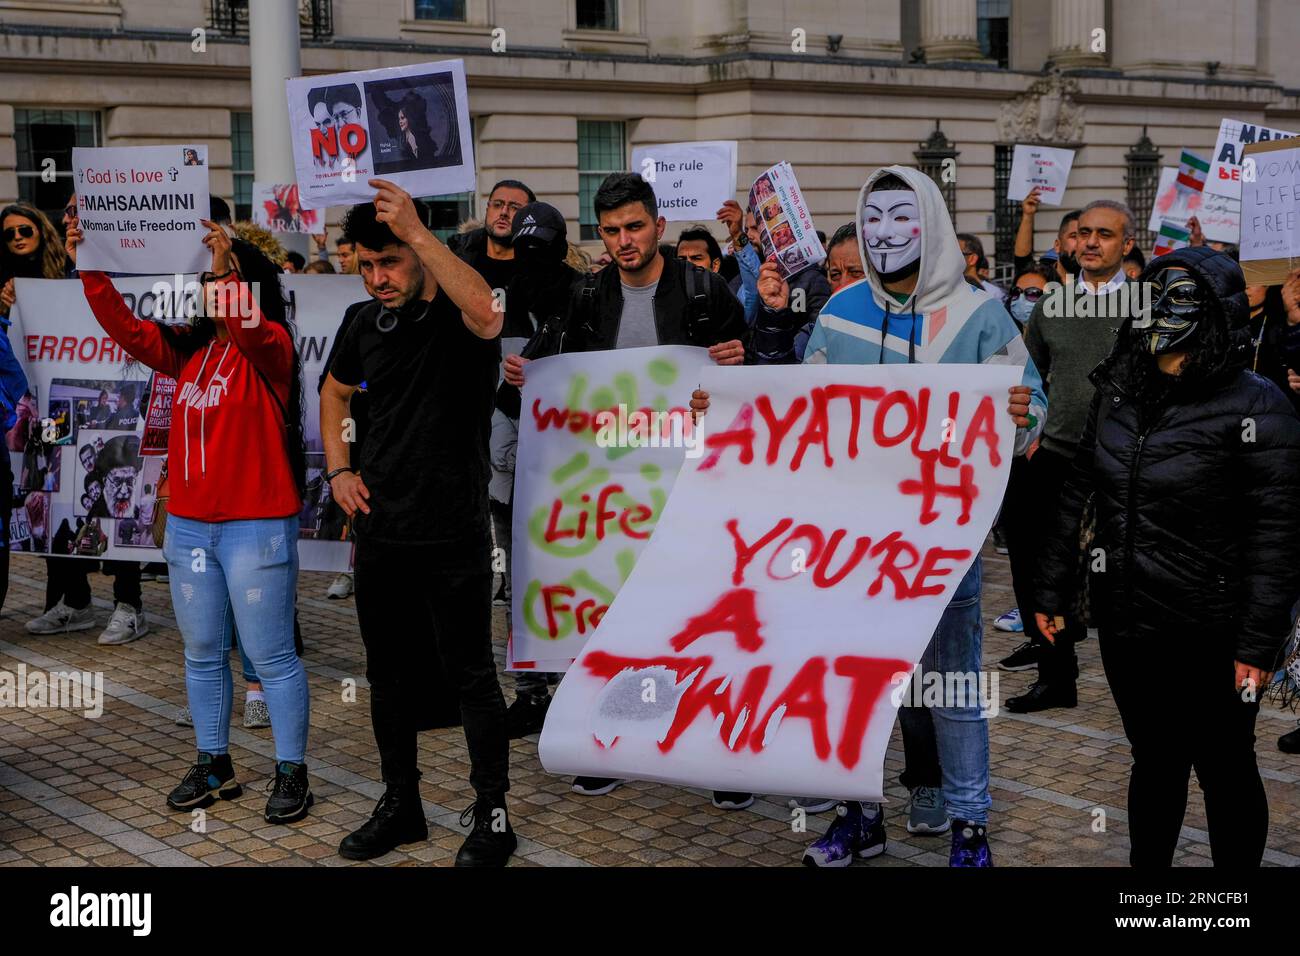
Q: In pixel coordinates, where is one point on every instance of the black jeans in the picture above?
(1206, 725)
(426, 621)
(1033, 497)
(67, 579)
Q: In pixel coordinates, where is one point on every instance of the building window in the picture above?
(1006, 214)
(600, 152)
(597, 14)
(447, 212)
(937, 158)
(440, 9)
(994, 24)
(230, 18)
(42, 135)
(1141, 180)
(241, 161)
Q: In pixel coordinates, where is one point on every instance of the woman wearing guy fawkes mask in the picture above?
(1195, 465)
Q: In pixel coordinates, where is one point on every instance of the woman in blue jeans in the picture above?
(236, 468)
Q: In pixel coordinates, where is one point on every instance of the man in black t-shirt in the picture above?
(426, 349)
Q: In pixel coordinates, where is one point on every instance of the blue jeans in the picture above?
(961, 734)
(245, 573)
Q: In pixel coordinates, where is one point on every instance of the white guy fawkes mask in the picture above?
(891, 229)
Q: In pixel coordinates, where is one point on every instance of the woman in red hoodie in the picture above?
(236, 462)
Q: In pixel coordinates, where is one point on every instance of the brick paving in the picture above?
(90, 792)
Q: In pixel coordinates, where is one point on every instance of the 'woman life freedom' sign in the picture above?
(1270, 211)
(140, 206)
(691, 180)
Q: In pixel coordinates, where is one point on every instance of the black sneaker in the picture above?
(492, 840)
(595, 786)
(1042, 696)
(731, 800)
(290, 794)
(398, 819)
(211, 778)
(1023, 658)
(526, 715)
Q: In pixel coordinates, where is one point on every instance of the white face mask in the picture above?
(891, 228)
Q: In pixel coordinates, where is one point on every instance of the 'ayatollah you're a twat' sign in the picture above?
(765, 637)
(139, 208)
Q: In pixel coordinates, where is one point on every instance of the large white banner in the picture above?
(765, 637)
(602, 436)
(89, 448)
(407, 124)
(140, 206)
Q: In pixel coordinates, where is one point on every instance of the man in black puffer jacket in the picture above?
(1195, 466)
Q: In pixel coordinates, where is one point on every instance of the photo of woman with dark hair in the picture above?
(415, 123)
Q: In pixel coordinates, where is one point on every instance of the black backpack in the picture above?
(699, 324)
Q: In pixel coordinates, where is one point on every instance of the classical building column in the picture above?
(1073, 23)
(949, 31)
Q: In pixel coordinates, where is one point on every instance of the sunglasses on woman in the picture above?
(1032, 294)
(25, 231)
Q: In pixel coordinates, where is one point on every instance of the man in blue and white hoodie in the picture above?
(914, 306)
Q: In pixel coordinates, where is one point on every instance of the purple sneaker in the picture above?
(852, 833)
(970, 844)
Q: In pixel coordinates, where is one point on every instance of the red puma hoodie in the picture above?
(227, 459)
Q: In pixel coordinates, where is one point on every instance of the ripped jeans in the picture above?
(243, 573)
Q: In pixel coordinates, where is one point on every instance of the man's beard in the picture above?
(1069, 263)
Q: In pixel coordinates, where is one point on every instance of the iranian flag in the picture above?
(1192, 171)
(1170, 237)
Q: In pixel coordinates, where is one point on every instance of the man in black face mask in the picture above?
(537, 299)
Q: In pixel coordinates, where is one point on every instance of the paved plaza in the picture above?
(76, 791)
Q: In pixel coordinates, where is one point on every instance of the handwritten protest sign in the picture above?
(1234, 136)
(691, 180)
(1044, 167)
(407, 124)
(788, 235)
(1270, 211)
(1220, 217)
(602, 436)
(765, 637)
(276, 207)
(140, 206)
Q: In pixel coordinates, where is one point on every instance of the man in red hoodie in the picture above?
(426, 350)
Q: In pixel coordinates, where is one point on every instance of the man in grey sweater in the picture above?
(1070, 331)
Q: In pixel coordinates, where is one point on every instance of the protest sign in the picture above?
(765, 637)
(1270, 211)
(1044, 167)
(89, 447)
(784, 222)
(1220, 217)
(139, 208)
(602, 436)
(276, 208)
(1234, 136)
(691, 180)
(406, 124)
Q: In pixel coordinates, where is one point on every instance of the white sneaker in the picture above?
(341, 587)
(62, 618)
(126, 625)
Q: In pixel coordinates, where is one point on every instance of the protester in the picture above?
(644, 301)
(972, 251)
(317, 267)
(20, 256)
(347, 253)
(1197, 515)
(487, 247)
(294, 262)
(1134, 263)
(916, 277)
(1275, 334)
(844, 258)
(698, 247)
(230, 535)
(744, 245)
(1067, 236)
(426, 349)
(788, 309)
(1066, 345)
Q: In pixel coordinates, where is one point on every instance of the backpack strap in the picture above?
(698, 323)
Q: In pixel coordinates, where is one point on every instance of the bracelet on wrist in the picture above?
(330, 476)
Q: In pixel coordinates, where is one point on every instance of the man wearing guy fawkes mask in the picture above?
(1194, 466)
(915, 306)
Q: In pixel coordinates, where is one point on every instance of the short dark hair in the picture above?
(361, 228)
(1135, 255)
(296, 259)
(700, 234)
(514, 184)
(891, 181)
(619, 189)
(846, 233)
(972, 244)
(345, 242)
(1071, 216)
(218, 210)
(329, 95)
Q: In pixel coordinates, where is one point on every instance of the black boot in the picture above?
(526, 715)
(211, 777)
(1041, 696)
(291, 795)
(492, 840)
(1289, 743)
(398, 819)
